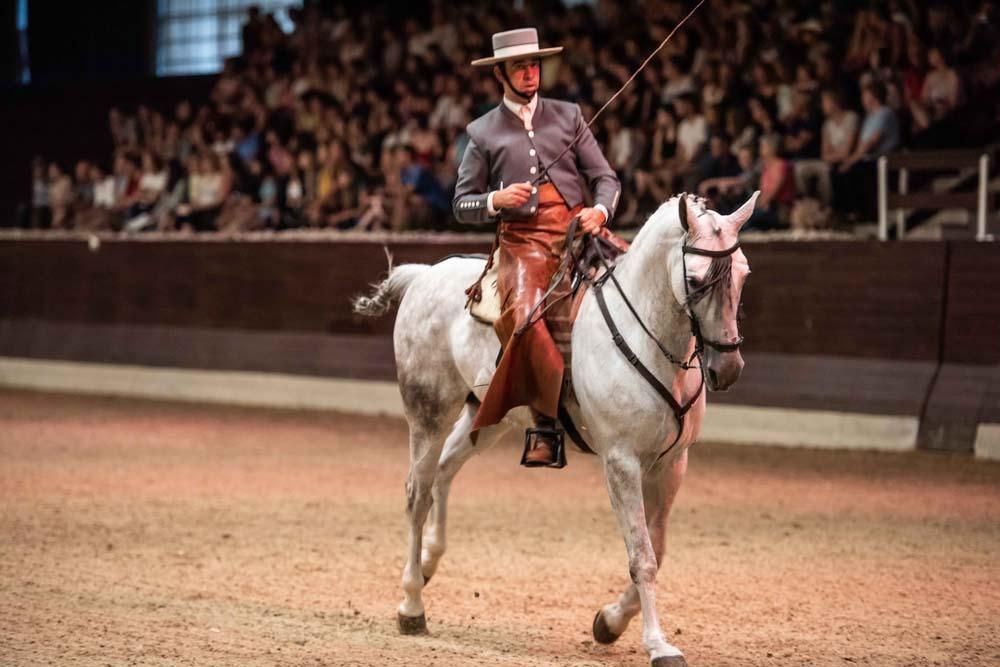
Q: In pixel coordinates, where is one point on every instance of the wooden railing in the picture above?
(904, 200)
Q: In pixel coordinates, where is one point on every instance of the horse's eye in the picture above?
(694, 283)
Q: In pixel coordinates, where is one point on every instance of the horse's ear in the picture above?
(740, 216)
(682, 210)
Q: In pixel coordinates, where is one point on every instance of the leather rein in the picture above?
(679, 410)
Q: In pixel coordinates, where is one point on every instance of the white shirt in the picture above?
(104, 192)
(692, 133)
(153, 181)
(515, 108)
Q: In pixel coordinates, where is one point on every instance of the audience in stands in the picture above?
(359, 121)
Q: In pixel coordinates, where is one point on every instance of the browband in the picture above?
(693, 250)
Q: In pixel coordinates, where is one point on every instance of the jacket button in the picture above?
(533, 170)
(532, 152)
(534, 208)
(534, 191)
(531, 133)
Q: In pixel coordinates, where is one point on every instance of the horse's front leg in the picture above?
(625, 487)
(658, 492)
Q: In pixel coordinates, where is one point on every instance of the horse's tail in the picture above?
(389, 290)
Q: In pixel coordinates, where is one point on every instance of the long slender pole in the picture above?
(883, 198)
(984, 177)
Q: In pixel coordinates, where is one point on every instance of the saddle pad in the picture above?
(559, 317)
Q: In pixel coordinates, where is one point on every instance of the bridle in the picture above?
(701, 341)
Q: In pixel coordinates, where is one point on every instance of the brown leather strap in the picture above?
(571, 430)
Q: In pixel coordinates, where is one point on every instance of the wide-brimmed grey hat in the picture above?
(516, 45)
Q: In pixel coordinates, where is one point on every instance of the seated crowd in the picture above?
(359, 122)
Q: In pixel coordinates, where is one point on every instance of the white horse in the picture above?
(683, 273)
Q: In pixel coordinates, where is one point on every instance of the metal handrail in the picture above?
(925, 161)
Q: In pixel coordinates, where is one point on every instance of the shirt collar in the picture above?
(515, 107)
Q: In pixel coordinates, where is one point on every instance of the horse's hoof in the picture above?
(412, 625)
(602, 633)
(670, 661)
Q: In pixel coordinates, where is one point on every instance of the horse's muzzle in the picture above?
(722, 369)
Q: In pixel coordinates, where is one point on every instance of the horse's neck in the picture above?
(644, 275)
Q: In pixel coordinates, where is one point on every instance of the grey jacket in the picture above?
(501, 152)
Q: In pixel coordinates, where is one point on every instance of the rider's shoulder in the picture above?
(484, 123)
(562, 107)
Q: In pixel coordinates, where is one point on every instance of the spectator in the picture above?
(338, 189)
(879, 71)
(654, 175)
(208, 188)
(60, 197)
(731, 192)
(104, 187)
(713, 92)
(692, 132)
(678, 82)
(913, 73)
(802, 129)
(83, 187)
(762, 114)
(840, 131)
(41, 212)
(623, 150)
(253, 31)
(717, 162)
(880, 130)
(97, 214)
(743, 132)
(127, 175)
(940, 93)
(853, 185)
(777, 189)
(152, 183)
(424, 202)
(274, 114)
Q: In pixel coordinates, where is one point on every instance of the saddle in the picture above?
(584, 260)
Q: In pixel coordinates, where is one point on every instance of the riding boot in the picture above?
(543, 444)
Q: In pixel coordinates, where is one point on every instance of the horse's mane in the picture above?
(699, 205)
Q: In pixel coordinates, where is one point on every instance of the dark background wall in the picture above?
(883, 328)
(74, 41)
(86, 57)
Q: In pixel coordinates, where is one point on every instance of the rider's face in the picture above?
(524, 74)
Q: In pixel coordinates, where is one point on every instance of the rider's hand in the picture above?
(514, 195)
(591, 219)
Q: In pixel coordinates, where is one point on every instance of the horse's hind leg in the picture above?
(429, 417)
(658, 495)
(460, 446)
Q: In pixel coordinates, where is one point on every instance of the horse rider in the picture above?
(505, 178)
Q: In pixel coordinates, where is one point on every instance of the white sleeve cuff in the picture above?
(489, 204)
(604, 210)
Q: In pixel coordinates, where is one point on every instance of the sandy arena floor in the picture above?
(148, 533)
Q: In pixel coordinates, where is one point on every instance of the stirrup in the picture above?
(555, 436)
